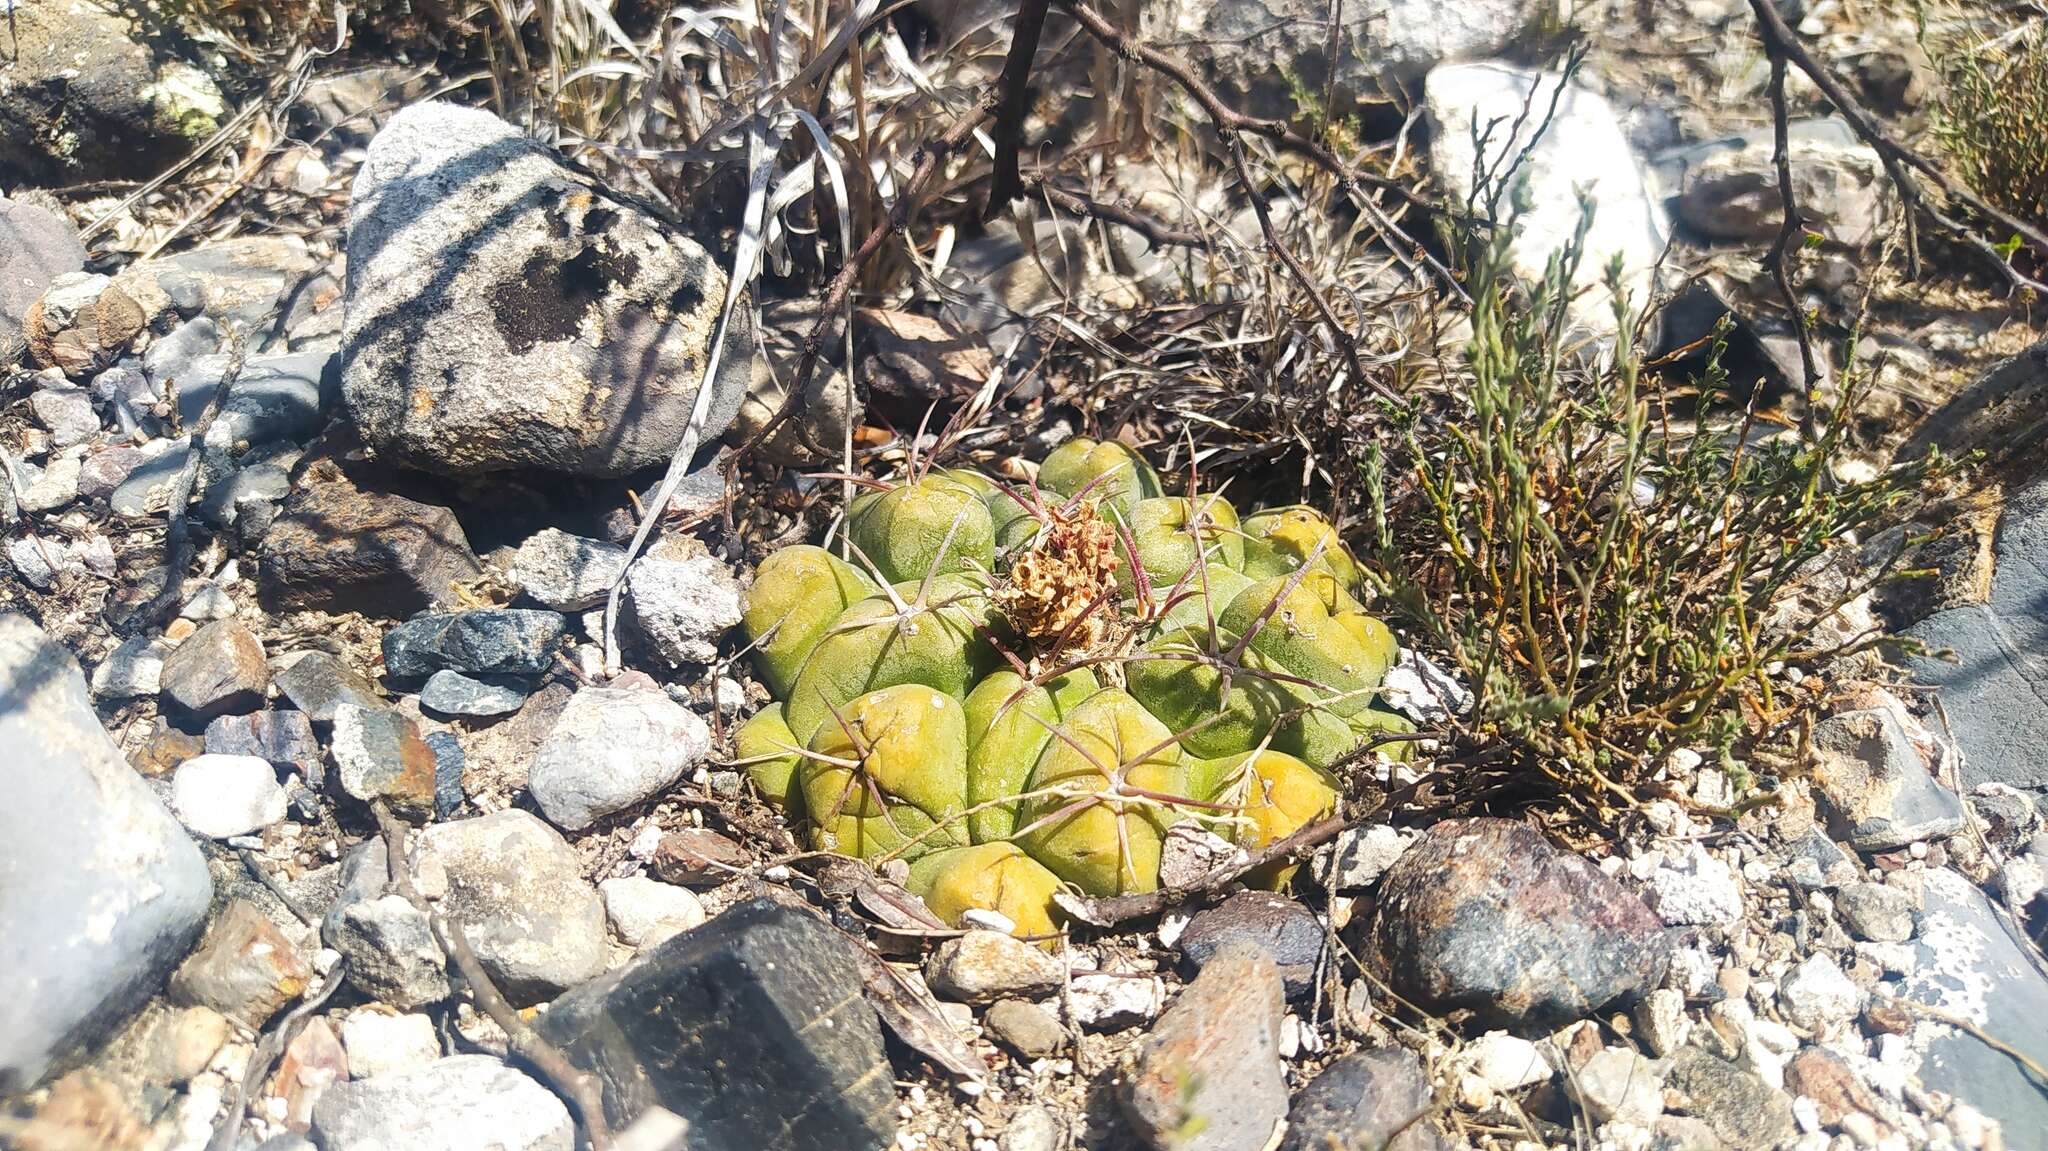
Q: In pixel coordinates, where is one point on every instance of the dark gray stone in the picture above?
(1997, 691)
(1368, 1099)
(273, 398)
(317, 682)
(1486, 914)
(2004, 415)
(448, 764)
(146, 490)
(1741, 1108)
(174, 358)
(36, 246)
(1284, 929)
(752, 1027)
(488, 641)
(285, 738)
(1876, 912)
(112, 890)
(349, 540)
(1972, 964)
(449, 692)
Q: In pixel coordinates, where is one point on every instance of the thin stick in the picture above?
(1118, 908)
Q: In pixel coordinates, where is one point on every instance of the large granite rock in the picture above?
(1583, 146)
(1996, 691)
(2004, 415)
(752, 1027)
(1487, 914)
(101, 892)
(36, 246)
(82, 98)
(505, 311)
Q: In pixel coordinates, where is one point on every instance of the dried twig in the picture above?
(576, 1087)
(1014, 97)
(1115, 909)
(269, 1050)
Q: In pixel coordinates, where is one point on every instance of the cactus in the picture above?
(1015, 690)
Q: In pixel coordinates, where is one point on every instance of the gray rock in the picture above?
(67, 413)
(53, 487)
(284, 738)
(1266, 52)
(1728, 189)
(506, 312)
(272, 398)
(146, 490)
(390, 949)
(1032, 1128)
(1487, 914)
(1873, 786)
(1585, 145)
(88, 100)
(753, 1028)
(318, 682)
(136, 668)
(350, 541)
(1815, 861)
(516, 889)
(247, 500)
(679, 600)
(119, 890)
(244, 968)
(1287, 931)
(1876, 912)
(1377, 1099)
(565, 572)
(1208, 1077)
(2007, 813)
(169, 363)
(610, 749)
(1619, 1084)
(644, 912)
(488, 641)
(461, 1103)
(984, 966)
(242, 283)
(449, 761)
(1971, 963)
(453, 693)
(1026, 1028)
(2002, 414)
(1740, 1107)
(378, 754)
(36, 246)
(1817, 996)
(217, 670)
(1994, 691)
(223, 796)
(103, 472)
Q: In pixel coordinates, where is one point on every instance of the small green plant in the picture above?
(1018, 690)
(1989, 118)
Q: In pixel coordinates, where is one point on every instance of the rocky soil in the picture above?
(328, 820)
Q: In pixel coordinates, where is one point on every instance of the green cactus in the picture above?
(1020, 708)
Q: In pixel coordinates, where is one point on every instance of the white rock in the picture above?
(222, 796)
(1107, 1001)
(566, 572)
(382, 1044)
(1508, 1062)
(1661, 1017)
(518, 889)
(136, 668)
(1816, 995)
(610, 749)
(1364, 854)
(1584, 145)
(1697, 888)
(1618, 1084)
(646, 911)
(462, 1103)
(680, 599)
(1422, 691)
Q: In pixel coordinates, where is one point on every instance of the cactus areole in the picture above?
(1019, 689)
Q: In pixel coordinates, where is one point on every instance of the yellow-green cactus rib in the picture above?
(1011, 516)
(1301, 636)
(934, 525)
(1009, 722)
(1163, 531)
(1179, 678)
(1124, 476)
(1116, 771)
(1323, 738)
(1267, 796)
(1197, 600)
(888, 775)
(1280, 540)
(772, 756)
(996, 877)
(941, 643)
(797, 594)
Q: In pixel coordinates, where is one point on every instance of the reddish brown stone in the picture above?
(698, 857)
(1825, 1078)
(1209, 1076)
(346, 543)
